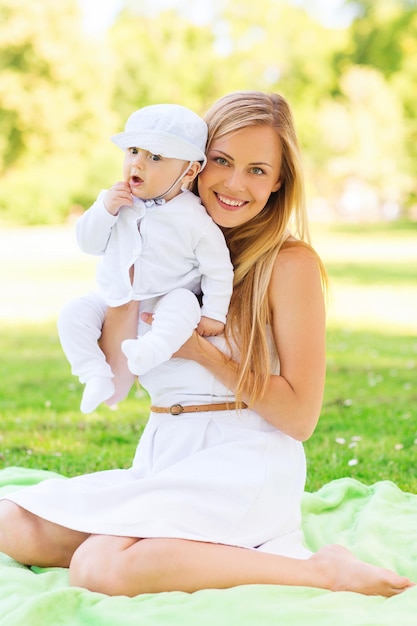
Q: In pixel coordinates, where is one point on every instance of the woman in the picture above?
(213, 497)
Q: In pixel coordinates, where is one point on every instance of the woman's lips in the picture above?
(228, 203)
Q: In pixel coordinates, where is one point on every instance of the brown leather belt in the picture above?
(177, 409)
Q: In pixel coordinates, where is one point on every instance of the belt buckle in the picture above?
(176, 409)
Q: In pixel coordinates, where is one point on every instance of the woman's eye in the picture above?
(257, 170)
(221, 161)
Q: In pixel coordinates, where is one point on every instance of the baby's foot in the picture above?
(344, 572)
(97, 390)
(143, 355)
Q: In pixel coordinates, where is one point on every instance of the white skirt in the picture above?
(225, 477)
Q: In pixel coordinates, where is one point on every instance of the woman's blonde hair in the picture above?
(254, 245)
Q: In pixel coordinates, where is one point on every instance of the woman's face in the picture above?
(242, 171)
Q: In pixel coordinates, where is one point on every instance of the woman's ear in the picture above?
(277, 185)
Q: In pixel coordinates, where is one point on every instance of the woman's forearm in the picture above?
(296, 415)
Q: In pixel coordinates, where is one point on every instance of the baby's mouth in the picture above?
(136, 180)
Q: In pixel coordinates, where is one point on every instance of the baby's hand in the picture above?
(209, 327)
(117, 196)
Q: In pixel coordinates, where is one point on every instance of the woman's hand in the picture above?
(192, 349)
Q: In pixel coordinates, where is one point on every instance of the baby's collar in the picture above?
(151, 202)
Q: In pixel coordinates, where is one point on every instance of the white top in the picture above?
(172, 245)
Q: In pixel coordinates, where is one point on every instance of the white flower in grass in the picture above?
(398, 446)
(347, 402)
(48, 403)
(353, 462)
(356, 438)
(353, 444)
(341, 440)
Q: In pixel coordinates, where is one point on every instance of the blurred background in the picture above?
(72, 72)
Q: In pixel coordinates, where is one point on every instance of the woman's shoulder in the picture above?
(297, 269)
(296, 252)
(297, 261)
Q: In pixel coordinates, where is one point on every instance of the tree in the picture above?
(364, 132)
(54, 97)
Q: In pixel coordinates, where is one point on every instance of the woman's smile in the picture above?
(230, 204)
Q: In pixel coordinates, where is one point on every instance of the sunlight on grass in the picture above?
(368, 427)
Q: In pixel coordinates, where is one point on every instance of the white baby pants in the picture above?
(176, 315)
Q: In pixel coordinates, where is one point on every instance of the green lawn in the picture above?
(368, 427)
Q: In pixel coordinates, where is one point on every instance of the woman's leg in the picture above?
(128, 566)
(32, 540)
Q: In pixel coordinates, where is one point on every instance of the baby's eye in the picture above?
(133, 150)
(154, 157)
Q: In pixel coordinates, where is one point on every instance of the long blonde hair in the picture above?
(254, 245)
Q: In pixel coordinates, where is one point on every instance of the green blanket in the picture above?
(378, 523)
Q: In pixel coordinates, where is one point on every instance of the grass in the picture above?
(41, 425)
(368, 427)
(369, 414)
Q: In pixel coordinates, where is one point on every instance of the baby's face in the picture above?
(150, 175)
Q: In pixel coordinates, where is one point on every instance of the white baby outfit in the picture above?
(224, 476)
(176, 250)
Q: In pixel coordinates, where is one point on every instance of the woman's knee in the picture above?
(15, 529)
(118, 565)
(32, 540)
(12, 517)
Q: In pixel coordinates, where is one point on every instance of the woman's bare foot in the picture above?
(342, 571)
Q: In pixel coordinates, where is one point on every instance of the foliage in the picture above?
(63, 93)
(163, 59)
(54, 104)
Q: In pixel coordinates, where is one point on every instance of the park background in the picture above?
(70, 75)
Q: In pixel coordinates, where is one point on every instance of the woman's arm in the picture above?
(293, 399)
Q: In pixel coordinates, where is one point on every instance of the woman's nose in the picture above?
(234, 181)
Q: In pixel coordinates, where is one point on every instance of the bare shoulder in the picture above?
(297, 280)
(296, 256)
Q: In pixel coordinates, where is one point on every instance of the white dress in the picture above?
(224, 476)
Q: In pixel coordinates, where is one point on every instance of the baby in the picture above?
(157, 243)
